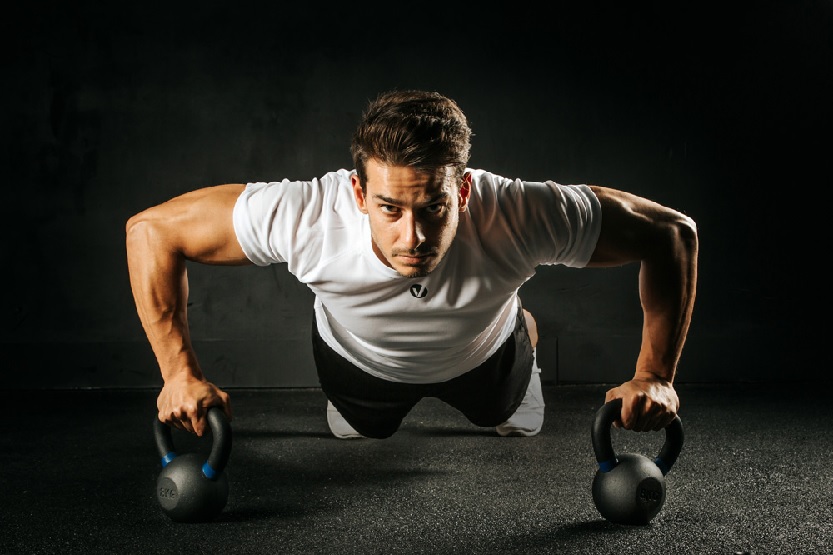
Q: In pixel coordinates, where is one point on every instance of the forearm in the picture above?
(159, 281)
(667, 288)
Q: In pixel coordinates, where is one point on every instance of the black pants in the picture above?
(487, 395)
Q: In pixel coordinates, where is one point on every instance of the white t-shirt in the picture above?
(426, 329)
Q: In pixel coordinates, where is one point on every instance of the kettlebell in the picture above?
(189, 488)
(630, 488)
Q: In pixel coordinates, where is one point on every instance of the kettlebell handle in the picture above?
(220, 448)
(603, 446)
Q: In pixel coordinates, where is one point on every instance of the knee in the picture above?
(381, 427)
(531, 327)
(380, 432)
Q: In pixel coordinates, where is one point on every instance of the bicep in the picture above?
(198, 225)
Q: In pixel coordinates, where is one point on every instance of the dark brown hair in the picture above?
(421, 129)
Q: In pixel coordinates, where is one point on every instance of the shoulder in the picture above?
(488, 187)
(332, 187)
(482, 179)
(291, 205)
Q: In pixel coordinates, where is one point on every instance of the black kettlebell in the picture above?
(190, 488)
(630, 488)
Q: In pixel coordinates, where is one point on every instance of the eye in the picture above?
(388, 208)
(435, 209)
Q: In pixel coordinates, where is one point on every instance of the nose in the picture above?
(413, 234)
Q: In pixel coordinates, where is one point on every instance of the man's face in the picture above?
(413, 216)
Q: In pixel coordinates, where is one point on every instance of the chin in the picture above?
(414, 271)
(411, 272)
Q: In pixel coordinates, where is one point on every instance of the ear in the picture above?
(358, 194)
(465, 192)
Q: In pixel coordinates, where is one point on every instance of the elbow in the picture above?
(139, 232)
(681, 240)
(132, 224)
(134, 227)
(686, 232)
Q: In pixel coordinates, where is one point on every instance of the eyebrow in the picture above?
(388, 200)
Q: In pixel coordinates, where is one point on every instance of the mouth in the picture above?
(413, 259)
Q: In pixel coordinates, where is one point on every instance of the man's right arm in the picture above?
(196, 226)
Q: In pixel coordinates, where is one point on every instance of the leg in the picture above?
(528, 419)
(359, 405)
(491, 393)
(531, 328)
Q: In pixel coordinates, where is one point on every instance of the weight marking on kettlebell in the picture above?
(167, 492)
(649, 495)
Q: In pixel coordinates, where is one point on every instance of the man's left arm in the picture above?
(665, 243)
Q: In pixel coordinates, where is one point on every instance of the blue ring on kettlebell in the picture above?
(209, 472)
(663, 467)
(169, 456)
(607, 466)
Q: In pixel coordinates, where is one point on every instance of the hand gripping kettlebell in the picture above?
(630, 488)
(189, 488)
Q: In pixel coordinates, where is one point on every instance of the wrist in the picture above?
(648, 375)
(181, 364)
(183, 374)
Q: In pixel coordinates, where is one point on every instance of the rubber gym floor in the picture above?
(79, 471)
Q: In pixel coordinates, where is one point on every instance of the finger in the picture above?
(226, 405)
(657, 417)
(169, 419)
(610, 395)
(180, 419)
(648, 418)
(644, 423)
(657, 422)
(654, 418)
(179, 424)
(198, 421)
(183, 423)
(631, 412)
(665, 421)
(626, 416)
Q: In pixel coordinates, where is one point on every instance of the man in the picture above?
(416, 261)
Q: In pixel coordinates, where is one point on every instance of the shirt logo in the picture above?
(418, 291)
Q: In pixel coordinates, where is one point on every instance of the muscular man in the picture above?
(416, 261)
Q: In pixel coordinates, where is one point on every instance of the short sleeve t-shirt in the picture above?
(423, 329)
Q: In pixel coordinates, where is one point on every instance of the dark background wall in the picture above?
(725, 115)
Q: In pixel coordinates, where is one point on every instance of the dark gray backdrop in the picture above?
(106, 110)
